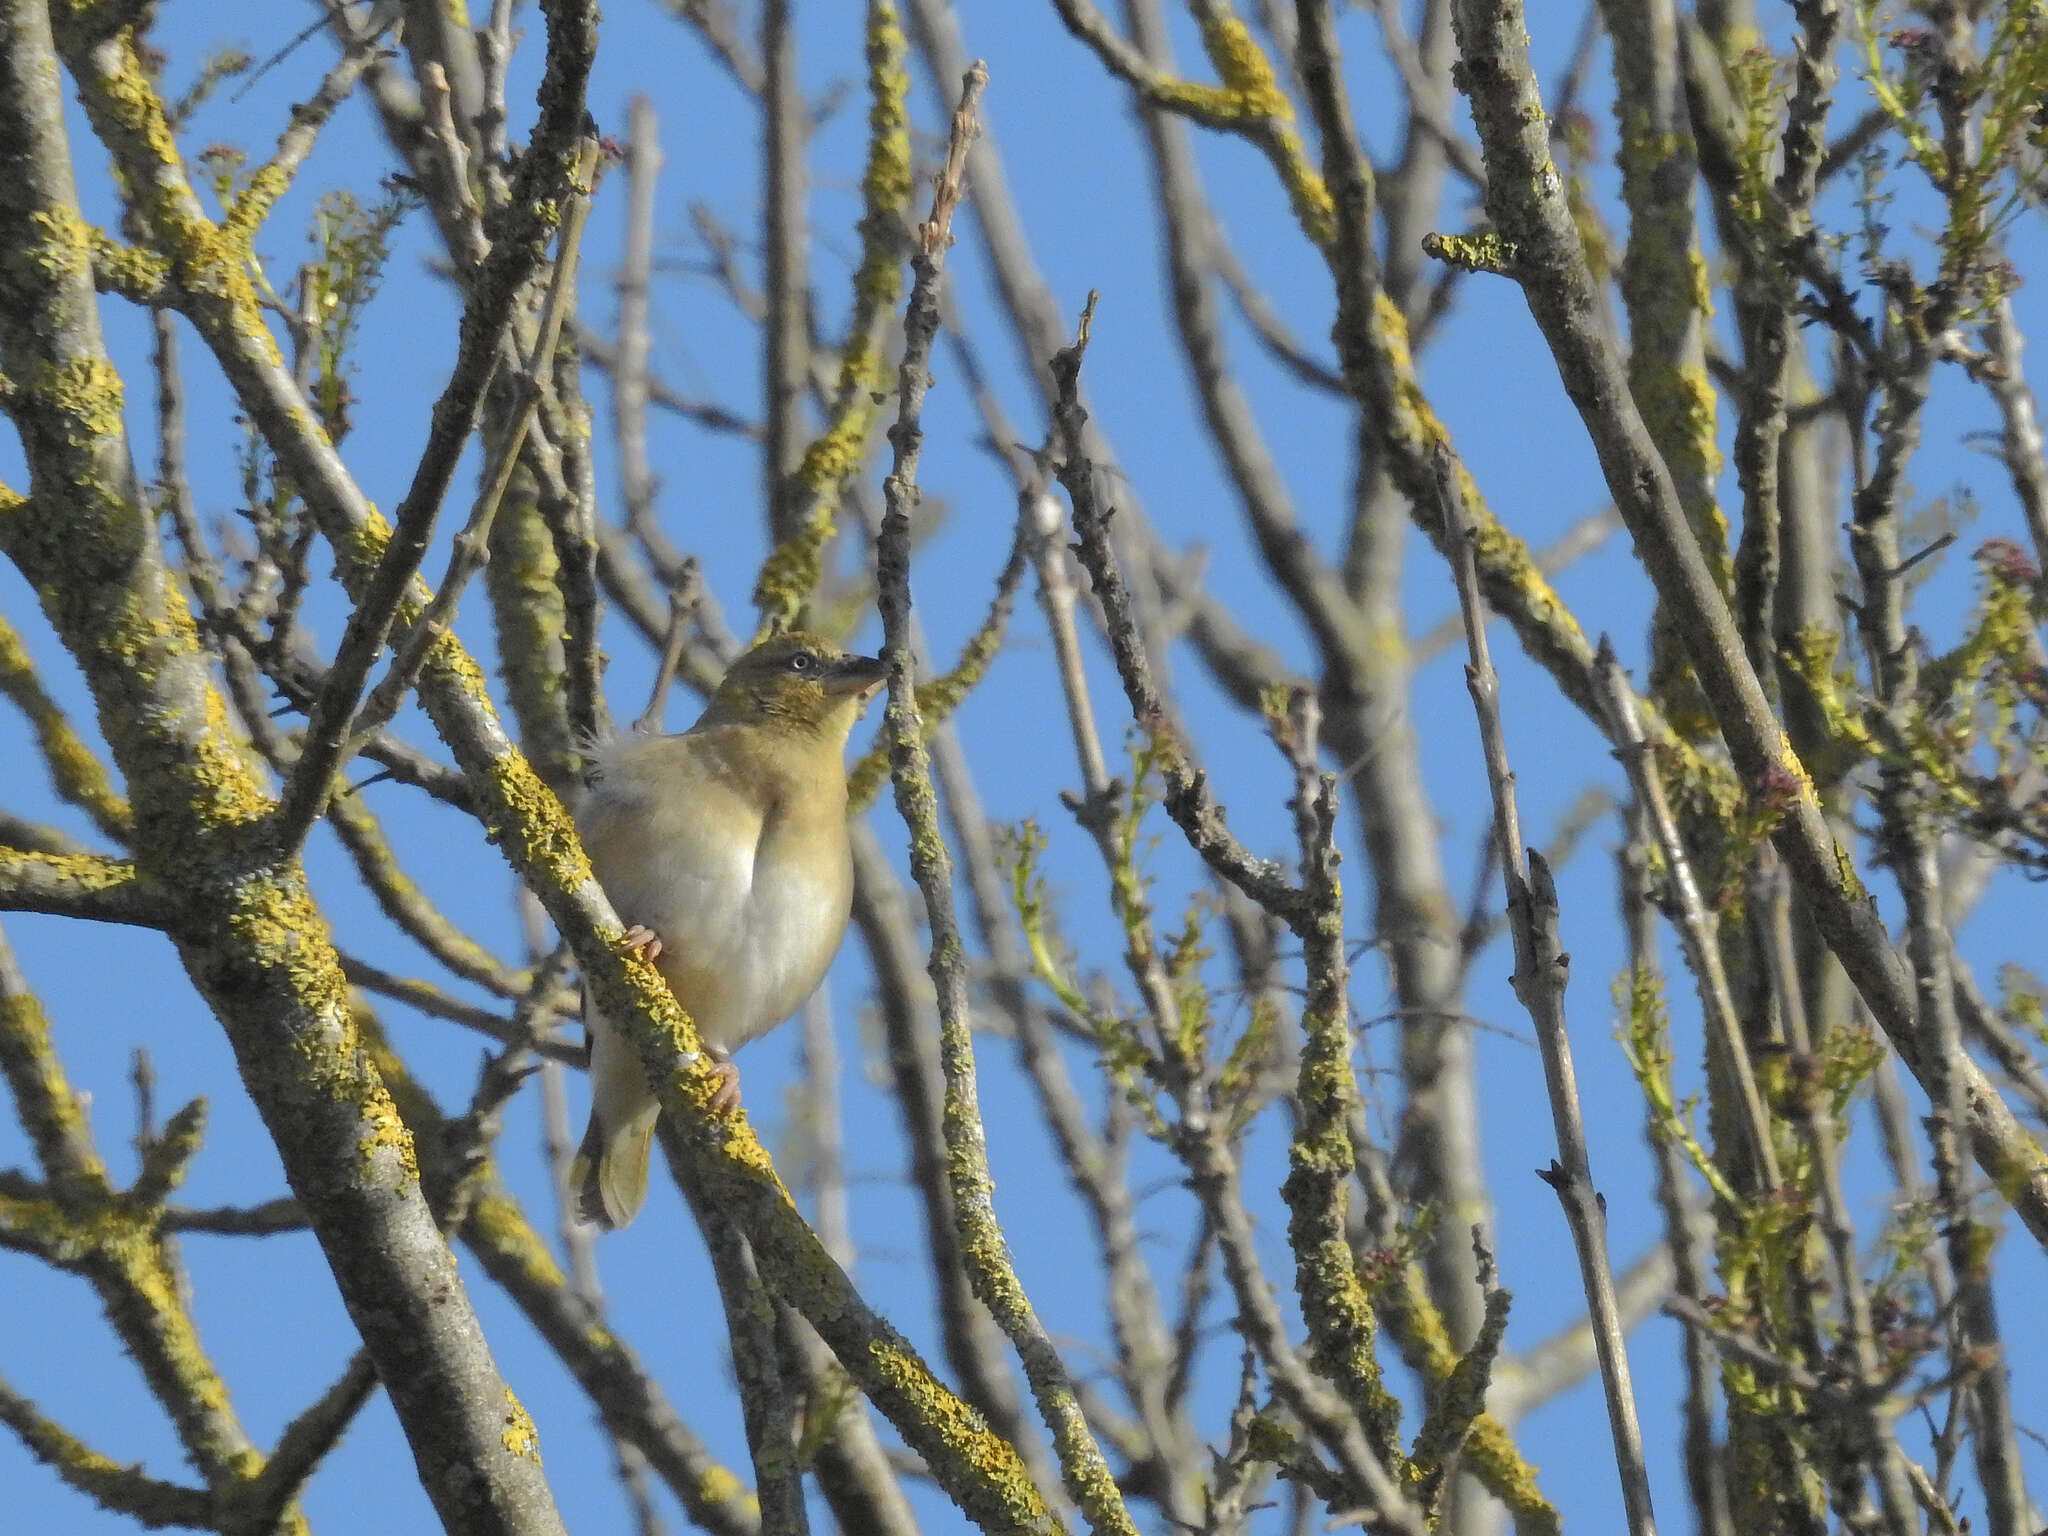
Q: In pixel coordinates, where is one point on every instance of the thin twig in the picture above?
(268, 182)
(1696, 928)
(1187, 799)
(472, 545)
(1541, 970)
(630, 389)
(786, 321)
(1084, 1469)
(302, 1447)
(495, 295)
(681, 604)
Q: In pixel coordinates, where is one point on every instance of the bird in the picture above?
(725, 851)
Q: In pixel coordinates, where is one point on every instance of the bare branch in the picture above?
(1540, 974)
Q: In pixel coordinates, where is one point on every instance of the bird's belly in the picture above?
(793, 930)
(744, 942)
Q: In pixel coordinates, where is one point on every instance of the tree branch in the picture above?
(1541, 969)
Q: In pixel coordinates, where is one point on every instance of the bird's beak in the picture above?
(856, 674)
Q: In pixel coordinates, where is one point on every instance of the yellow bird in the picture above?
(725, 851)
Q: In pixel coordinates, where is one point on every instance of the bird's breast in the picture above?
(796, 914)
(746, 878)
(749, 914)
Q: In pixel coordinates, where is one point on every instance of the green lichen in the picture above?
(1515, 584)
(936, 699)
(274, 929)
(1664, 290)
(1491, 1457)
(53, 1114)
(208, 265)
(1459, 1400)
(524, 579)
(1342, 1325)
(1846, 879)
(1645, 1037)
(1251, 103)
(1488, 1451)
(115, 1243)
(524, 807)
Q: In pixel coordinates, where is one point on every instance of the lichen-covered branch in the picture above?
(1528, 204)
(248, 932)
(117, 1489)
(75, 770)
(983, 1247)
(810, 505)
(114, 1240)
(83, 885)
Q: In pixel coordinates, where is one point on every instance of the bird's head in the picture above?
(798, 682)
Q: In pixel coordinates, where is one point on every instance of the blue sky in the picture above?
(267, 1311)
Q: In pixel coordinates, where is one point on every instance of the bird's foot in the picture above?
(727, 1095)
(643, 943)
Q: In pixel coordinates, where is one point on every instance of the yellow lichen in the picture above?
(62, 244)
(718, 1487)
(520, 1437)
(497, 1223)
(31, 1056)
(791, 571)
(961, 1434)
(383, 1129)
(130, 270)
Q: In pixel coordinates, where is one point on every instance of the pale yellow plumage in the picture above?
(729, 843)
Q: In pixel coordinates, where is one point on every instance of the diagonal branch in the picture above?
(548, 170)
(75, 770)
(1529, 208)
(1187, 800)
(472, 545)
(117, 1489)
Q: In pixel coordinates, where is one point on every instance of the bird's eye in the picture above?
(800, 662)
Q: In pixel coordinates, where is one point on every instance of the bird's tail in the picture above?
(609, 1174)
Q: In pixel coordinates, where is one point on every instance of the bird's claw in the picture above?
(727, 1094)
(643, 943)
